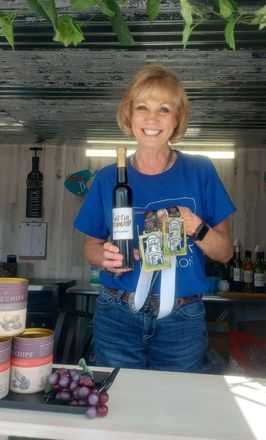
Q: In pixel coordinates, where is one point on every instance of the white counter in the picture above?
(147, 405)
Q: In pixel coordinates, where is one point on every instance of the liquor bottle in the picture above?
(259, 274)
(248, 273)
(122, 234)
(230, 267)
(237, 270)
(230, 271)
(264, 265)
(34, 188)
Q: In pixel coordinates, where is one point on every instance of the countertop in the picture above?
(150, 405)
(93, 290)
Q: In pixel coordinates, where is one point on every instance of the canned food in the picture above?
(5, 353)
(31, 360)
(13, 305)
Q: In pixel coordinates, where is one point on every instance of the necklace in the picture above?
(166, 165)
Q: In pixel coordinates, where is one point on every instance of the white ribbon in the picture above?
(167, 289)
(143, 288)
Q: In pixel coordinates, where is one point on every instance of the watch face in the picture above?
(201, 232)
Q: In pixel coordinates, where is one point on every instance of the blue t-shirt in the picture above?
(192, 182)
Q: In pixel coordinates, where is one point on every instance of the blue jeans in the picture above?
(127, 339)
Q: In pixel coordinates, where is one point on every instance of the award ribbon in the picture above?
(163, 240)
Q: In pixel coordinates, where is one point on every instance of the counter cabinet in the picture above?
(156, 405)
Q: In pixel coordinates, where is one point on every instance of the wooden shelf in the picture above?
(243, 295)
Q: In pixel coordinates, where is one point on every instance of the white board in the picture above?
(32, 239)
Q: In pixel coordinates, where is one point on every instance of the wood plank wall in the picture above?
(242, 177)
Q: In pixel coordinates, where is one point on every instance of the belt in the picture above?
(153, 302)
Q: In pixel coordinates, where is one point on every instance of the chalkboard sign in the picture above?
(34, 188)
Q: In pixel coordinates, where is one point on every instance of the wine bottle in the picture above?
(248, 273)
(237, 270)
(259, 274)
(34, 188)
(264, 266)
(122, 234)
(230, 271)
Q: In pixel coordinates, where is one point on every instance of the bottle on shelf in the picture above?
(258, 272)
(230, 267)
(264, 265)
(34, 188)
(237, 269)
(122, 233)
(248, 273)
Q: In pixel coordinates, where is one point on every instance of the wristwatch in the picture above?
(200, 232)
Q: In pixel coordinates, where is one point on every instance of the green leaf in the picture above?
(187, 31)
(119, 26)
(262, 25)
(82, 364)
(186, 12)
(104, 8)
(229, 33)
(260, 18)
(45, 9)
(68, 32)
(82, 5)
(35, 7)
(261, 11)
(86, 6)
(6, 27)
(48, 388)
(226, 8)
(153, 9)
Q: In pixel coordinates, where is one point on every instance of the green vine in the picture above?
(68, 31)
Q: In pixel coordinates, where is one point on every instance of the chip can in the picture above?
(31, 360)
(13, 305)
(5, 353)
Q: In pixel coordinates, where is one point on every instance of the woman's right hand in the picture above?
(113, 260)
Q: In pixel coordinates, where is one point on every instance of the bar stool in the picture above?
(73, 329)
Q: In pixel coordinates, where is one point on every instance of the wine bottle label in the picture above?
(248, 276)
(237, 274)
(122, 224)
(259, 279)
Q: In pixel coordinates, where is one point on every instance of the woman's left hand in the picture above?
(192, 221)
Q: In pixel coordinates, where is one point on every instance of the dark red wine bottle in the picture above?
(122, 234)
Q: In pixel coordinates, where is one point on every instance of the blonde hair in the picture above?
(154, 81)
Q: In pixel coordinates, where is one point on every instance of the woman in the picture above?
(154, 111)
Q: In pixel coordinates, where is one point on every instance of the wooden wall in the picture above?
(243, 178)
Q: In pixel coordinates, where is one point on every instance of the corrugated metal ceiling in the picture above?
(70, 95)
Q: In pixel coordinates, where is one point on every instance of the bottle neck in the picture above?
(121, 174)
(35, 163)
(237, 252)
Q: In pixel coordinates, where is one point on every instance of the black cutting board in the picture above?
(37, 402)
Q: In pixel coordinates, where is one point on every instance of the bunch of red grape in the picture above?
(73, 387)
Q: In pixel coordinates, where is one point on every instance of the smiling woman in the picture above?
(153, 316)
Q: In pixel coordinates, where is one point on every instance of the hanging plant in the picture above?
(68, 31)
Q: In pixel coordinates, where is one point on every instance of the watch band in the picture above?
(200, 232)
